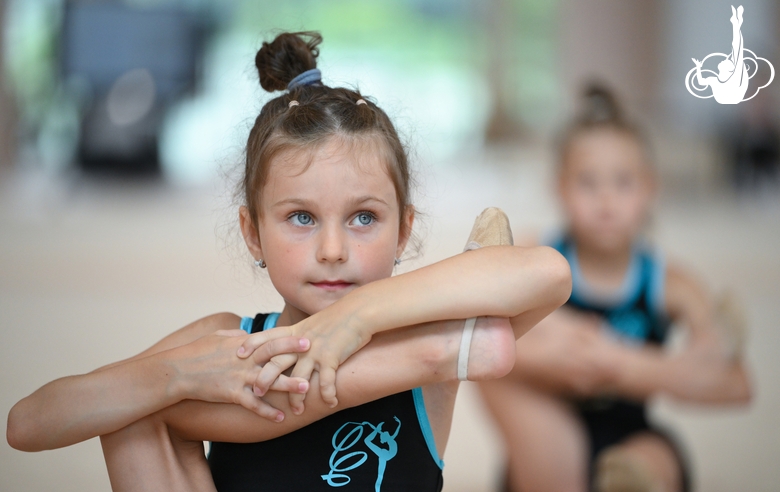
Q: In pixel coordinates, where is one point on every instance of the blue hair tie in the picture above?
(309, 77)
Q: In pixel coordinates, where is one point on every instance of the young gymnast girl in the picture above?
(375, 359)
(572, 411)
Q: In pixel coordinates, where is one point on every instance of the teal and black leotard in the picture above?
(635, 315)
(384, 445)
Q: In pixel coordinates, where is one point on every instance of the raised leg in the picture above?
(145, 456)
(546, 445)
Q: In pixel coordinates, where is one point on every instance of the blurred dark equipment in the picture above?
(135, 62)
(755, 148)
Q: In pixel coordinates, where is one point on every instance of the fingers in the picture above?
(271, 371)
(286, 345)
(256, 340)
(303, 369)
(328, 386)
(286, 384)
(260, 407)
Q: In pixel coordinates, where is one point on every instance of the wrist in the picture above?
(179, 382)
(359, 309)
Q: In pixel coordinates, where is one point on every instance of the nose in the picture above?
(333, 244)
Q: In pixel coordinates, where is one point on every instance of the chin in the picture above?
(610, 240)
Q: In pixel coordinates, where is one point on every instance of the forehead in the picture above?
(333, 171)
(605, 150)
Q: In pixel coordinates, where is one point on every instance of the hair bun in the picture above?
(600, 105)
(287, 56)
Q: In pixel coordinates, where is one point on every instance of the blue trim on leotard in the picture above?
(425, 426)
(625, 295)
(246, 324)
(636, 311)
(270, 321)
(657, 297)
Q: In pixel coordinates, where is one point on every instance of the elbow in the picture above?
(14, 431)
(557, 273)
(20, 430)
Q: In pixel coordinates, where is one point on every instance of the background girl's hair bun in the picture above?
(288, 55)
(600, 105)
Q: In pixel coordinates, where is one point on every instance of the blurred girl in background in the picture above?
(573, 409)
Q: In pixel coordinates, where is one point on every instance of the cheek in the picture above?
(581, 205)
(376, 257)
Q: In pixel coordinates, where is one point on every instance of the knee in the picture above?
(146, 430)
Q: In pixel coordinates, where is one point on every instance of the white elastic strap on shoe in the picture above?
(465, 346)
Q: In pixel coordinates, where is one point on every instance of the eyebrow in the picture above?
(308, 203)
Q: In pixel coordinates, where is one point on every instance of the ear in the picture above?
(405, 232)
(249, 231)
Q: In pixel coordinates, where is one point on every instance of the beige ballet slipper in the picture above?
(490, 229)
(731, 320)
(620, 471)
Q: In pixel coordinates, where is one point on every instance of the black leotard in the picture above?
(383, 445)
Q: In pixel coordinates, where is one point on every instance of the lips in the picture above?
(332, 285)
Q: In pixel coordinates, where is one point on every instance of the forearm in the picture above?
(501, 281)
(647, 371)
(392, 362)
(75, 408)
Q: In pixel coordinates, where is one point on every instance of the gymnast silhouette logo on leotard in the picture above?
(341, 462)
(730, 84)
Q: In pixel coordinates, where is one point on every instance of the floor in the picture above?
(94, 271)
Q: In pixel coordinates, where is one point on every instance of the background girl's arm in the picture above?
(521, 284)
(567, 353)
(705, 371)
(75, 408)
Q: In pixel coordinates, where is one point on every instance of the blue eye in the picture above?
(364, 219)
(300, 219)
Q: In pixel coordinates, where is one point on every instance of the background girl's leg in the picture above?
(546, 444)
(145, 456)
(645, 461)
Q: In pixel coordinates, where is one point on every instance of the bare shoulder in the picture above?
(197, 329)
(203, 327)
(684, 291)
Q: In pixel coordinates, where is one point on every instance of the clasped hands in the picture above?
(230, 366)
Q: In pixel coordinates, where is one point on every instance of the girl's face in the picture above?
(606, 188)
(326, 229)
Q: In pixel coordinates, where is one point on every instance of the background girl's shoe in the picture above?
(620, 471)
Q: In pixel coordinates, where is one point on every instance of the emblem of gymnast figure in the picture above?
(735, 70)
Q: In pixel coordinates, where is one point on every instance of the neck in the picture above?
(605, 267)
(291, 315)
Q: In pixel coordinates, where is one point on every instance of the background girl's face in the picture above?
(606, 188)
(330, 227)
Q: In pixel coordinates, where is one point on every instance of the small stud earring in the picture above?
(260, 263)
(397, 261)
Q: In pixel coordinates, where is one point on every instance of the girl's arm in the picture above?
(521, 284)
(572, 356)
(705, 371)
(566, 353)
(394, 361)
(140, 386)
(75, 408)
